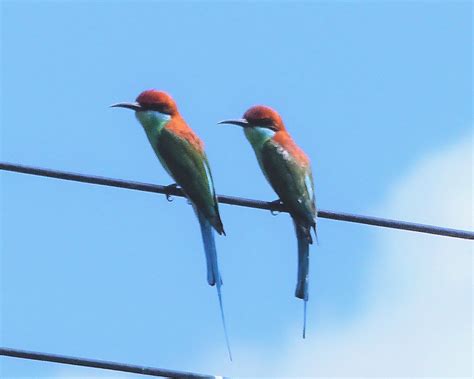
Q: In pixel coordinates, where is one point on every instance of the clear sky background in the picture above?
(379, 96)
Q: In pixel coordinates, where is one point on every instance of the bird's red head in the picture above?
(157, 101)
(151, 100)
(261, 116)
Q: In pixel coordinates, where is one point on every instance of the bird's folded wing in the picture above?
(190, 169)
(291, 180)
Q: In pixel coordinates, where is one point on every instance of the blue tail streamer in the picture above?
(301, 291)
(213, 275)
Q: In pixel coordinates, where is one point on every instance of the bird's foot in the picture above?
(169, 188)
(274, 203)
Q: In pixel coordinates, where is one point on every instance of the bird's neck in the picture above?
(257, 136)
(153, 122)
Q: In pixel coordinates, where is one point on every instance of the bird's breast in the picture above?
(257, 136)
(153, 121)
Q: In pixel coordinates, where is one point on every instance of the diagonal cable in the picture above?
(224, 199)
(106, 365)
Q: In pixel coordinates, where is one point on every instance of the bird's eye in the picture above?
(162, 108)
(266, 122)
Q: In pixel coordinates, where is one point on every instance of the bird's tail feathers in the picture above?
(213, 275)
(303, 236)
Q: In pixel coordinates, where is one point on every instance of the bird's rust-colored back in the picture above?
(178, 126)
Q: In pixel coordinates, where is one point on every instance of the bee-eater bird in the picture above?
(288, 170)
(181, 152)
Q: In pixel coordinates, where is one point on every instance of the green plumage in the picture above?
(291, 181)
(190, 168)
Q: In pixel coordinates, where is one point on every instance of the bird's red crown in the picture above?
(263, 115)
(157, 100)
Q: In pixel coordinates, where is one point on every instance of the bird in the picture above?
(181, 153)
(288, 170)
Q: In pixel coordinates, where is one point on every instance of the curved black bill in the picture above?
(239, 122)
(133, 106)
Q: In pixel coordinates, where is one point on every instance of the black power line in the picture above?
(272, 206)
(143, 370)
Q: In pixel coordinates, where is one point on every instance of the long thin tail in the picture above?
(213, 275)
(304, 239)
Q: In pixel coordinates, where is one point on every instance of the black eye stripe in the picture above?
(262, 122)
(162, 108)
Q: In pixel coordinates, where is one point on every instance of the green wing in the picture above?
(291, 181)
(190, 169)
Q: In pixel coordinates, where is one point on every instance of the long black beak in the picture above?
(133, 106)
(239, 122)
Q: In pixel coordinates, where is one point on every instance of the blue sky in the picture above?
(366, 89)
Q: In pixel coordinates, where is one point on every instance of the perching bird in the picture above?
(288, 170)
(181, 153)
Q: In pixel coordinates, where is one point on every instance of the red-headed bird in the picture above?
(288, 170)
(181, 152)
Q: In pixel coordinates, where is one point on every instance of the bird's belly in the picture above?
(163, 162)
(153, 137)
(257, 137)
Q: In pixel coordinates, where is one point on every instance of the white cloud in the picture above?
(420, 321)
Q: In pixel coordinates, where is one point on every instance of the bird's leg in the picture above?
(169, 188)
(277, 202)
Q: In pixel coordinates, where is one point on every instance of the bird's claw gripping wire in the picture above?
(275, 202)
(173, 186)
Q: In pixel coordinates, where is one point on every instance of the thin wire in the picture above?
(258, 204)
(106, 365)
